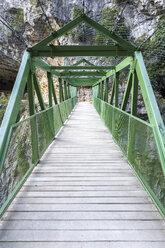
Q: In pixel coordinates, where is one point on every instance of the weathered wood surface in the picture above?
(83, 194)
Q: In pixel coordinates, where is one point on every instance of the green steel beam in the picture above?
(76, 51)
(112, 91)
(56, 34)
(81, 81)
(61, 90)
(116, 89)
(82, 61)
(59, 33)
(126, 62)
(77, 67)
(49, 76)
(41, 64)
(38, 91)
(110, 73)
(96, 78)
(54, 93)
(127, 92)
(101, 90)
(79, 62)
(151, 106)
(106, 90)
(12, 110)
(56, 73)
(73, 67)
(82, 73)
(69, 95)
(79, 84)
(86, 79)
(87, 62)
(31, 98)
(123, 64)
(98, 93)
(19, 185)
(106, 32)
(134, 94)
(65, 90)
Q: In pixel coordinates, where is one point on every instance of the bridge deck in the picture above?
(82, 194)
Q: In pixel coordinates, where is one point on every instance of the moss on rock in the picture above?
(109, 17)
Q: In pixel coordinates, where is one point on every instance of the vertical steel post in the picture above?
(113, 90)
(106, 90)
(49, 76)
(134, 94)
(65, 90)
(38, 91)
(12, 110)
(98, 93)
(54, 93)
(69, 95)
(127, 92)
(33, 124)
(116, 89)
(101, 90)
(61, 90)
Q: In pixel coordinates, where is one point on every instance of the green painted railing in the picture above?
(136, 139)
(27, 141)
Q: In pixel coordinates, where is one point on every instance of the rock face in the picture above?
(28, 21)
(27, 18)
(140, 15)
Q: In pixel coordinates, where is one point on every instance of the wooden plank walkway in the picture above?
(83, 194)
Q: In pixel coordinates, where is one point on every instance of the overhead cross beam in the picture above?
(72, 67)
(87, 62)
(83, 18)
(76, 51)
(86, 79)
(82, 73)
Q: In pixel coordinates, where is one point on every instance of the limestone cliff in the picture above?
(27, 18)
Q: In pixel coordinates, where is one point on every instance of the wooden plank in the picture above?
(84, 200)
(130, 193)
(87, 183)
(80, 179)
(89, 236)
(81, 207)
(79, 188)
(84, 174)
(83, 225)
(81, 169)
(97, 244)
(82, 216)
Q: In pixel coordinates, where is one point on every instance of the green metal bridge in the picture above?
(68, 180)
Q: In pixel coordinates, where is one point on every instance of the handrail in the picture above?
(55, 112)
(130, 138)
(155, 128)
